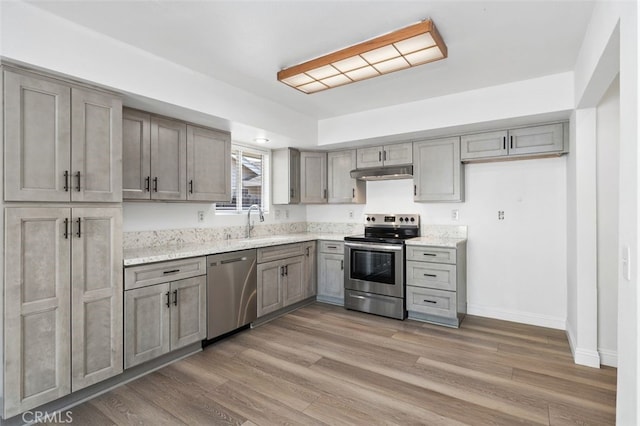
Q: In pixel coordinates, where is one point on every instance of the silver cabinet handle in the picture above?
(357, 297)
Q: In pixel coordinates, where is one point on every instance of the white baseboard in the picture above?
(608, 357)
(581, 356)
(517, 316)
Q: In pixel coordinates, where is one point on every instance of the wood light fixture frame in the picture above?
(407, 47)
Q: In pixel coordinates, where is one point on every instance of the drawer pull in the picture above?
(357, 297)
(429, 254)
(171, 271)
(332, 247)
(430, 301)
(430, 275)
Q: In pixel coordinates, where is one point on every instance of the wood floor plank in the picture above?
(323, 364)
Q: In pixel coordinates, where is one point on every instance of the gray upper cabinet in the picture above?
(136, 158)
(387, 155)
(437, 171)
(96, 146)
(341, 187)
(285, 176)
(313, 177)
(65, 263)
(525, 142)
(61, 143)
(168, 159)
(208, 164)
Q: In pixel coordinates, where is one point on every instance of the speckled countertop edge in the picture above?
(140, 256)
(436, 241)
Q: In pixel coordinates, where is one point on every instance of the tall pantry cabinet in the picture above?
(62, 294)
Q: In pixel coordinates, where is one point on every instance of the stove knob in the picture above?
(373, 219)
(413, 219)
(406, 219)
(401, 219)
(368, 219)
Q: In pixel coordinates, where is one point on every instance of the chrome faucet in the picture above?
(249, 225)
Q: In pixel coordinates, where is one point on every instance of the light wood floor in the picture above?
(325, 365)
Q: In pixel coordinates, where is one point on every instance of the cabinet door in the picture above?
(168, 159)
(313, 177)
(293, 286)
(96, 295)
(136, 155)
(341, 187)
(490, 144)
(437, 171)
(146, 323)
(188, 311)
(310, 270)
(537, 139)
(331, 277)
(270, 277)
(369, 157)
(96, 146)
(37, 139)
(401, 153)
(37, 312)
(285, 176)
(208, 165)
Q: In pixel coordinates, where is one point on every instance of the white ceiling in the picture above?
(245, 43)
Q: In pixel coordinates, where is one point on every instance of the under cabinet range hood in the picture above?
(383, 173)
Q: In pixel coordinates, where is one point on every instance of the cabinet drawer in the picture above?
(269, 254)
(431, 254)
(431, 302)
(162, 272)
(332, 247)
(441, 276)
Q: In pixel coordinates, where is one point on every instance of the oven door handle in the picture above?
(376, 246)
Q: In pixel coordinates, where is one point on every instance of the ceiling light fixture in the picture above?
(261, 140)
(407, 47)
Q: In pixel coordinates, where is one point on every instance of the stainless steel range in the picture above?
(374, 277)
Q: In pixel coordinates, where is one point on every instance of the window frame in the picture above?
(266, 180)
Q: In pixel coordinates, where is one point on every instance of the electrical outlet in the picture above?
(201, 216)
(500, 214)
(455, 215)
(350, 214)
(286, 213)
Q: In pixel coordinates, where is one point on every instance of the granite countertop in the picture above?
(435, 241)
(139, 256)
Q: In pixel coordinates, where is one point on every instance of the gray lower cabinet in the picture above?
(342, 188)
(438, 174)
(166, 315)
(285, 176)
(313, 177)
(522, 142)
(437, 283)
(64, 263)
(331, 272)
(284, 276)
(62, 143)
(310, 270)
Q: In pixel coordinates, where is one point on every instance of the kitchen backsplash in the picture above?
(179, 237)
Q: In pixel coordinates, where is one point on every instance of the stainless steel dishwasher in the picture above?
(231, 291)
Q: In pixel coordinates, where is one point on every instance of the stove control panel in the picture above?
(403, 220)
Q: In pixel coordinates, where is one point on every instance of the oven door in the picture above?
(374, 268)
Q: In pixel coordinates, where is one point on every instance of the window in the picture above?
(249, 179)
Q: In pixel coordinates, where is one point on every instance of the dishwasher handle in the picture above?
(238, 259)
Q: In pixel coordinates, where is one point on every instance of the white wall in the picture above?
(617, 22)
(517, 266)
(608, 169)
